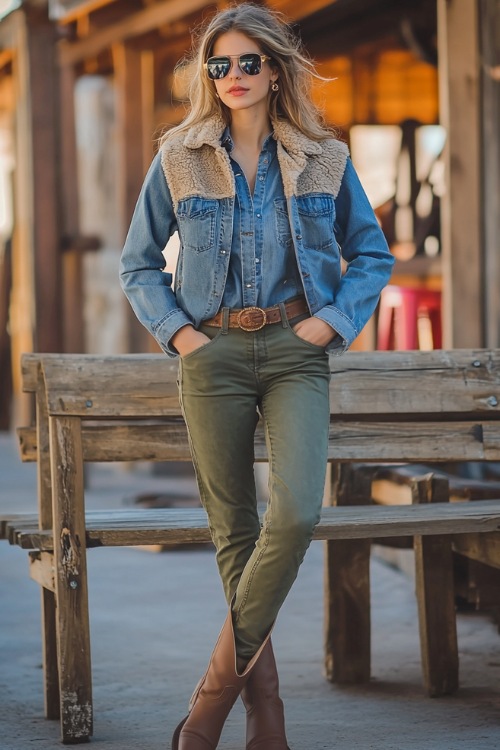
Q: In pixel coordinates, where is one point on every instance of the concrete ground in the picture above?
(154, 618)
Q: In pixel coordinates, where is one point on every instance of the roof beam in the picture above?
(72, 53)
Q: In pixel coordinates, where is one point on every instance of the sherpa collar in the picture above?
(196, 163)
(211, 130)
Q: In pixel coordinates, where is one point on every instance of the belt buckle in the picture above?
(249, 326)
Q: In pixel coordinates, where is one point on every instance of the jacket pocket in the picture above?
(196, 219)
(317, 216)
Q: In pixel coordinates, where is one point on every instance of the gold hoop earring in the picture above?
(274, 86)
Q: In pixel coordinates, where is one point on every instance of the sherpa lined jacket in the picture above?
(190, 188)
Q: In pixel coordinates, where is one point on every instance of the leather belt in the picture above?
(255, 318)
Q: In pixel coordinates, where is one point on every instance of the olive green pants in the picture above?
(224, 386)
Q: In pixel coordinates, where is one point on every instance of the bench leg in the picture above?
(72, 616)
(347, 611)
(347, 626)
(48, 600)
(49, 646)
(435, 598)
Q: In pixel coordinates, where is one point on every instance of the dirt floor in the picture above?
(154, 618)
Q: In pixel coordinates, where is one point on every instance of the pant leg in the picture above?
(294, 378)
(219, 403)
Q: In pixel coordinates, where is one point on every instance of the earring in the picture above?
(274, 86)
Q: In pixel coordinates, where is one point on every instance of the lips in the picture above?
(237, 90)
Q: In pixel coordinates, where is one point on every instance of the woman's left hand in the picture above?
(315, 331)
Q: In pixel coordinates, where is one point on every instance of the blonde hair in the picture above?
(275, 38)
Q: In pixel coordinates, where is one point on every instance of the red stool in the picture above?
(409, 319)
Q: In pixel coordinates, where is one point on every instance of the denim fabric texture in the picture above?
(310, 235)
(262, 265)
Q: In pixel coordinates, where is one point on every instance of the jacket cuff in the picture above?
(346, 332)
(168, 327)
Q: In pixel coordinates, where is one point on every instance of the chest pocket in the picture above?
(196, 218)
(317, 216)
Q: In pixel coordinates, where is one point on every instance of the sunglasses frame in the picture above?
(263, 59)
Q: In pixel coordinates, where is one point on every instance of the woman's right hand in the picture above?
(187, 339)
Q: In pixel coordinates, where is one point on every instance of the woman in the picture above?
(262, 195)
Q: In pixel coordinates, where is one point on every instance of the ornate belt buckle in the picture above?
(248, 325)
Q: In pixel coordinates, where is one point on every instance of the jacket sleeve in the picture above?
(143, 278)
(369, 262)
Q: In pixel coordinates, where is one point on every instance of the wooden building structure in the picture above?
(393, 60)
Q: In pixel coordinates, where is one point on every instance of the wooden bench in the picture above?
(385, 407)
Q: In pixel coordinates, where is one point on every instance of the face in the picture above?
(238, 90)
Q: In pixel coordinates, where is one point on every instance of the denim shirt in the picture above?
(319, 225)
(262, 269)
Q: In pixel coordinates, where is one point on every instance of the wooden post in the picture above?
(435, 597)
(40, 137)
(72, 614)
(462, 242)
(72, 265)
(347, 624)
(48, 601)
(489, 12)
(129, 63)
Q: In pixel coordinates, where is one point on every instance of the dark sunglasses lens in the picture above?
(218, 67)
(251, 64)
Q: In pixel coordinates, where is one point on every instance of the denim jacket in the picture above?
(326, 216)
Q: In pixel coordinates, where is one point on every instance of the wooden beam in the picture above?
(71, 581)
(348, 440)
(490, 76)
(166, 525)
(297, 9)
(135, 101)
(42, 569)
(84, 9)
(22, 303)
(434, 589)
(36, 262)
(347, 623)
(459, 94)
(135, 25)
(72, 261)
(482, 547)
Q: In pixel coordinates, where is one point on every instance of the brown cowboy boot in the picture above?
(214, 695)
(265, 715)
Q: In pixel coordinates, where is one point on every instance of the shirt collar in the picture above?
(227, 142)
(209, 132)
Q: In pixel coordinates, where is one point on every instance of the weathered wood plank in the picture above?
(435, 596)
(484, 548)
(43, 572)
(7, 520)
(73, 642)
(456, 382)
(462, 238)
(28, 449)
(52, 699)
(181, 525)
(42, 569)
(51, 692)
(347, 623)
(29, 371)
(348, 441)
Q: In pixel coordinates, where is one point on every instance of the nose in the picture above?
(235, 69)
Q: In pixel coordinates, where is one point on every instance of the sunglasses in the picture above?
(249, 63)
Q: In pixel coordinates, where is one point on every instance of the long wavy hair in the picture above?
(275, 38)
